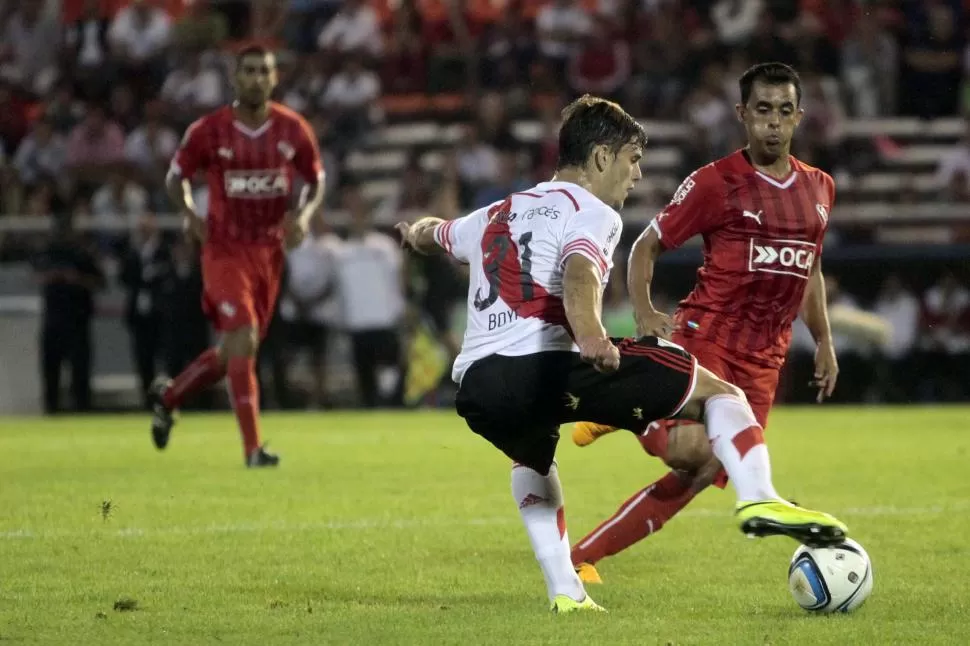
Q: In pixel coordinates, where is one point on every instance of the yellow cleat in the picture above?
(563, 604)
(781, 518)
(587, 573)
(585, 433)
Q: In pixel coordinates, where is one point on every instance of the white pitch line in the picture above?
(407, 523)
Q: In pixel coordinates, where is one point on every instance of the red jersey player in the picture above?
(763, 215)
(249, 152)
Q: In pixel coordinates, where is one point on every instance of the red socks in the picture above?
(244, 395)
(643, 514)
(243, 390)
(197, 376)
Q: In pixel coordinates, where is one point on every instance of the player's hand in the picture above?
(193, 226)
(404, 230)
(600, 352)
(295, 229)
(826, 370)
(654, 323)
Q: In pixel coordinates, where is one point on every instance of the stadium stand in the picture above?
(470, 95)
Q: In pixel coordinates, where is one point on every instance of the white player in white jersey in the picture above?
(536, 354)
(521, 243)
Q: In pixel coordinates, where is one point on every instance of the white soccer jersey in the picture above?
(516, 250)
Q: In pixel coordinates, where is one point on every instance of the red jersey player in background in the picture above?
(249, 152)
(763, 215)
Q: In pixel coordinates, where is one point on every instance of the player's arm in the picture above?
(639, 278)
(457, 237)
(311, 199)
(815, 314)
(582, 298)
(588, 242)
(180, 192)
(308, 163)
(689, 213)
(189, 158)
(420, 236)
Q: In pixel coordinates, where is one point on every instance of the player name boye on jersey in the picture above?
(516, 251)
(762, 237)
(250, 173)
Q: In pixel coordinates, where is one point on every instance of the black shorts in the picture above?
(518, 403)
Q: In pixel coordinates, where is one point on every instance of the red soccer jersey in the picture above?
(250, 172)
(762, 237)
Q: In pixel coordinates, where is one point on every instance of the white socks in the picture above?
(738, 442)
(539, 499)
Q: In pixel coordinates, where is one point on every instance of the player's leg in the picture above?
(585, 433)
(503, 400)
(643, 514)
(538, 495)
(683, 446)
(242, 348)
(737, 440)
(222, 282)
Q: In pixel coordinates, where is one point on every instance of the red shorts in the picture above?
(758, 383)
(240, 285)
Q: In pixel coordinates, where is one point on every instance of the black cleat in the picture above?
(260, 458)
(163, 418)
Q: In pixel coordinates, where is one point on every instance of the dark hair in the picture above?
(771, 74)
(252, 50)
(590, 121)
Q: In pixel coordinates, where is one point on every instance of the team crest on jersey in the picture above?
(226, 153)
(823, 212)
(256, 184)
(287, 150)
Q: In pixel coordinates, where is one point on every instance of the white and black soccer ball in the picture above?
(830, 579)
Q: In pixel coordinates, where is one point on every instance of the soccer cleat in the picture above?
(163, 418)
(587, 573)
(585, 433)
(781, 518)
(563, 604)
(260, 458)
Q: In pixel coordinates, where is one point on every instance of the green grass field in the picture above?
(400, 529)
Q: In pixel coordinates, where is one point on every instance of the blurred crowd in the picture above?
(94, 96)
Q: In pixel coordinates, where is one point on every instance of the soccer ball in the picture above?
(830, 579)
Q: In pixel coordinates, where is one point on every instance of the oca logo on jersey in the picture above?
(789, 257)
(257, 184)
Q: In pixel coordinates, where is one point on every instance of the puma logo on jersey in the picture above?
(789, 257)
(572, 401)
(754, 216)
(226, 153)
(227, 309)
(638, 413)
(256, 184)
